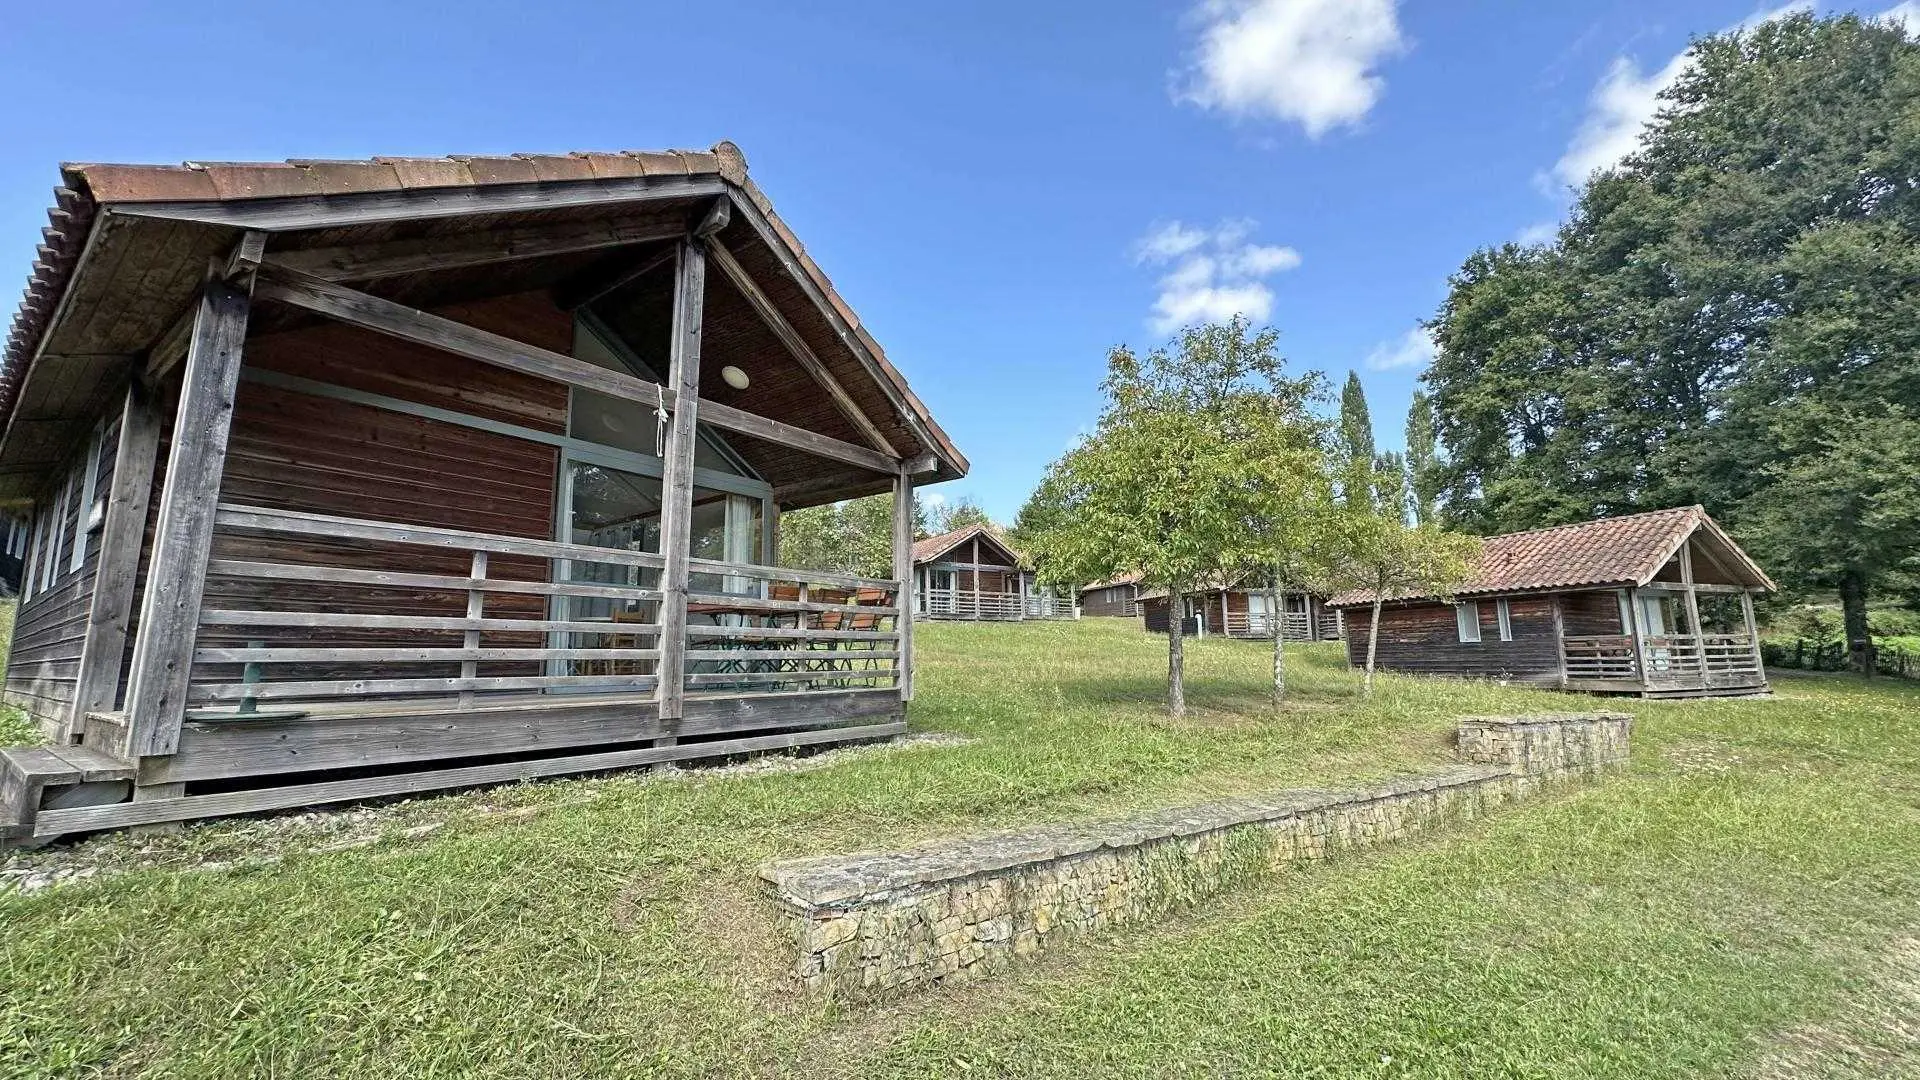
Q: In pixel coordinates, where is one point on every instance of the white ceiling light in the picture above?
(734, 377)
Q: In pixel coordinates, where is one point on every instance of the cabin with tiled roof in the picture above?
(1658, 604)
(973, 575)
(344, 479)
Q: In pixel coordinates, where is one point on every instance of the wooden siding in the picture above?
(1590, 614)
(297, 451)
(1111, 600)
(1425, 639)
(50, 627)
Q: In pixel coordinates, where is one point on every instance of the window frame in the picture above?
(1466, 613)
(1503, 614)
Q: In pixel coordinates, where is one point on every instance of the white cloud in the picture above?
(1907, 14)
(1311, 62)
(1413, 349)
(1211, 274)
(1625, 100)
(1540, 232)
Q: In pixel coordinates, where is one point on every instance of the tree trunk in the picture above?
(1853, 616)
(1277, 621)
(1373, 646)
(1176, 657)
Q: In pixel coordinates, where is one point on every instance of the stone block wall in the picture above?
(877, 923)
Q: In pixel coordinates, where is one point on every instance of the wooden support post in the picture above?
(1753, 633)
(676, 507)
(1693, 607)
(903, 573)
(1639, 639)
(97, 687)
(476, 608)
(177, 571)
(1560, 637)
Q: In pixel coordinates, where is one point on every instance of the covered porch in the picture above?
(452, 487)
(971, 574)
(1688, 632)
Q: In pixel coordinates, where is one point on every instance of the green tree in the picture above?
(1422, 460)
(1727, 318)
(1184, 461)
(960, 513)
(1354, 447)
(1388, 558)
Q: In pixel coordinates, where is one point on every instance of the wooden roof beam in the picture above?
(795, 344)
(382, 259)
(434, 331)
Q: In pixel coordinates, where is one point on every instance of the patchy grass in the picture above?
(1745, 882)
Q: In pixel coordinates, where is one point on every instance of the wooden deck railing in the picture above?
(967, 604)
(1041, 606)
(1678, 657)
(305, 608)
(1259, 624)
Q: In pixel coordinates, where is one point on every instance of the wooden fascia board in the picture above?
(298, 212)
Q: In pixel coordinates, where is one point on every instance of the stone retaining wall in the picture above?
(877, 923)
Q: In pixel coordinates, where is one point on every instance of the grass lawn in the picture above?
(1746, 899)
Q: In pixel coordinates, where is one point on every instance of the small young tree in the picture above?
(1174, 478)
(1383, 555)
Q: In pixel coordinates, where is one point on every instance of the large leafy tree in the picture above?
(1726, 318)
(1195, 448)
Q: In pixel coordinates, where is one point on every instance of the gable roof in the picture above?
(1618, 551)
(178, 215)
(933, 547)
(1121, 579)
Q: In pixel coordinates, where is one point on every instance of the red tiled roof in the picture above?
(1122, 579)
(935, 546)
(87, 187)
(1626, 550)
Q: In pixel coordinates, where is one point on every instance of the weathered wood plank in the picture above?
(365, 621)
(110, 613)
(434, 731)
(300, 212)
(903, 572)
(748, 603)
(788, 633)
(785, 573)
(183, 538)
(347, 575)
(56, 822)
(297, 523)
(451, 654)
(676, 501)
(281, 691)
(367, 262)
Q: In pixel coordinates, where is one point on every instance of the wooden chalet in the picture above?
(1654, 605)
(1114, 598)
(971, 574)
(348, 479)
(1244, 613)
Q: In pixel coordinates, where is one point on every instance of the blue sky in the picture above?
(1003, 191)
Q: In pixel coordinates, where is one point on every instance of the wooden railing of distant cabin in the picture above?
(968, 604)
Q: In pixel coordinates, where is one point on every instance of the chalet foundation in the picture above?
(873, 924)
(350, 479)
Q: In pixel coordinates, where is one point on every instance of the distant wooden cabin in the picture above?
(348, 479)
(1655, 605)
(1114, 598)
(971, 574)
(1244, 613)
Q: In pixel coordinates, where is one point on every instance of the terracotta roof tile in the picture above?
(935, 546)
(1627, 550)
